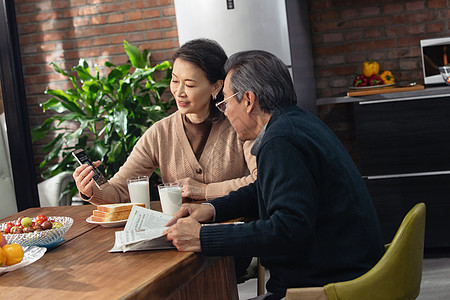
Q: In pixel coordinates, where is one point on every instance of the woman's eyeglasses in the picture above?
(222, 105)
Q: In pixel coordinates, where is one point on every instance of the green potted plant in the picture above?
(104, 115)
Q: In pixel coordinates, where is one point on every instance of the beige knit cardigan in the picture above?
(225, 164)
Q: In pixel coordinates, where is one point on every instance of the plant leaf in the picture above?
(83, 70)
(105, 113)
(135, 55)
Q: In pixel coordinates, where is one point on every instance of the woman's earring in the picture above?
(214, 97)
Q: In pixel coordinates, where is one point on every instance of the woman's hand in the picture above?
(191, 188)
(83, 178)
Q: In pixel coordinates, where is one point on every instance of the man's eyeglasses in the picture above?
(222, 105)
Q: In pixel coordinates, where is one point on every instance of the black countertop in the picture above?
(427, 92)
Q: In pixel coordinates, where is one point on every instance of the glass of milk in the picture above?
(139, 190)
(170, 196)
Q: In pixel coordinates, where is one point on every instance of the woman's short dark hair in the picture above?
(209, 56)
(264, 74)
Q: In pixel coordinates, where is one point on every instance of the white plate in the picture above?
(108, 224)
(30, 255)
(370, 87)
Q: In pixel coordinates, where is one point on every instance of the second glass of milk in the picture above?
(138, 188)
(170, 196)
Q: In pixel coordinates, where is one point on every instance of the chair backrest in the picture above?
(50, 190)
(398, 274)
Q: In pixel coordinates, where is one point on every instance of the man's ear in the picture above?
(250, 101)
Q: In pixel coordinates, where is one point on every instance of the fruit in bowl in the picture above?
(445, 72)
(46, 233)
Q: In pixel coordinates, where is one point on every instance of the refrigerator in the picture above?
(236, 25)
(277, 26)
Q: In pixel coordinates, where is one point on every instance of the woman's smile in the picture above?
(183, 103)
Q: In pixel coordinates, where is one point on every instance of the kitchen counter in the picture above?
(428, 92)
(402, 146)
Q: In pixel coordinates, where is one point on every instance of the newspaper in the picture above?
(143, 231)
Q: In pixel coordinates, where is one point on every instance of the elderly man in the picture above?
(315, 221)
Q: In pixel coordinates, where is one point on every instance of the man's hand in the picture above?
(184, 230)
(200, 212)
(185, 235)
(193, 189)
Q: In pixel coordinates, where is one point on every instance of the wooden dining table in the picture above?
(81, 267)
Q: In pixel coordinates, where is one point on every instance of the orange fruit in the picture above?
(14, 254)
(2, 257)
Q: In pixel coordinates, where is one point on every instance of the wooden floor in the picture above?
(435, 281)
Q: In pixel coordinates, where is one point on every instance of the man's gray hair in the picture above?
(264, 74)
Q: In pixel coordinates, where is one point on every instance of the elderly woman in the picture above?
(196, 145)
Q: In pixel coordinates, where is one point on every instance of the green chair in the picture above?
(396, 276)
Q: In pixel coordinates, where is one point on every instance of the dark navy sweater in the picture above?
(316, 222)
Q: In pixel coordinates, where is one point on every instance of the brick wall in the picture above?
(346, 33)
(65, 30)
